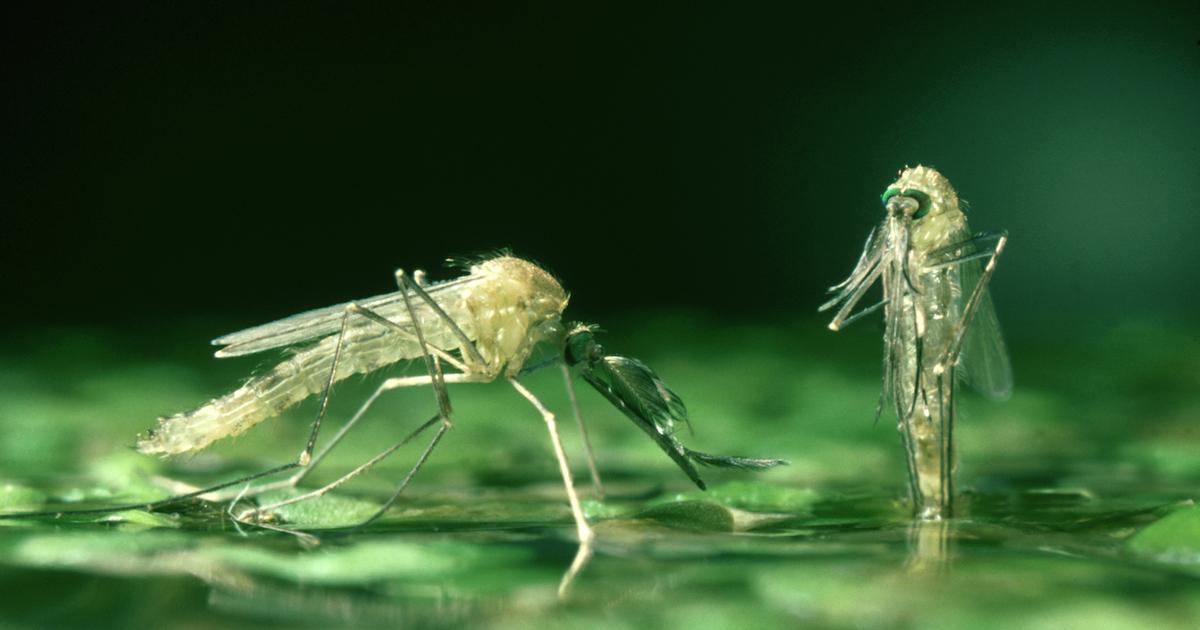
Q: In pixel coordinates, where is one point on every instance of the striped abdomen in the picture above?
(367, 348)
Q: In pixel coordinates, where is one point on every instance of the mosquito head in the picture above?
(581, 346)
(920, 192)
(907, 204)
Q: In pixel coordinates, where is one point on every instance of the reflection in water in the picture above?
(928, 546)
(581, 557)
(322, 605)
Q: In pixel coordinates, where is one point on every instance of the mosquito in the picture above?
(939, 323)
(481, 327)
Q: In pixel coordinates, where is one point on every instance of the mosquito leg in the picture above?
(585, 532)
(308, 540)
(910, 461)
(584, 553)
(979, 246)
(431, 364)
(946, 428)
(408, 478)
(439, 384)
(581, 557)
(360, 469)
(867, 257)
(306, 454)
(844, 312)
(232, 505)
(406, 282)
(305, 458)
(951, 355)
(154, 506)
(587, 443)
(366, 313)
(435, 377)
(390, 384)
(863, 313)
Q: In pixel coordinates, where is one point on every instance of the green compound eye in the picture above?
(923, 202)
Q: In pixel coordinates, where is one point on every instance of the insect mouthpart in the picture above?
(909, 203)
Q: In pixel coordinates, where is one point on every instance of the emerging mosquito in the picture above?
(482, 326)
(938, 317)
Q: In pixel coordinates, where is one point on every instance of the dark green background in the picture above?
(168, 162)
(695, 176)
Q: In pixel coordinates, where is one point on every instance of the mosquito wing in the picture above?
(985, 364)
(634, 389)
(984, 360)
(322, 322)
(637, 391)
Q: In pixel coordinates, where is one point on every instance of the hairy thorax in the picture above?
(517, 305)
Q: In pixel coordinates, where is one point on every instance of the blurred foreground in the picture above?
(1076, 510)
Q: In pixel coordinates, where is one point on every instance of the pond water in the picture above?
(1076, 508)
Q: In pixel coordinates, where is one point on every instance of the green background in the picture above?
(695, 176)
(252, 162)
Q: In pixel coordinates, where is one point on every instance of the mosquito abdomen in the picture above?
(264, 396)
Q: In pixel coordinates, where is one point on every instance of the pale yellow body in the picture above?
(505, 306)
(930, 313)
(936, 313)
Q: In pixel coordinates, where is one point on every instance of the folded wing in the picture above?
(323, 322)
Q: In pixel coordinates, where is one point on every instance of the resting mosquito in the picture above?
(478, 328)
(938, 318)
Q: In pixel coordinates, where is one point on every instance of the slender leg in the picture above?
(946, 411)
(469, 347)
(306, 454)
(435, 377)
(407, 478)
(365, 466)
(936, 438)
(305, 458)
(388, 385)
(401, 330)
(840, 319)
(587, 443)
(355, 309)
(951, 355)
(232, 505)
(154, 506)
(432, 364)
(962, 251)
(581, 557)
(585, 532)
